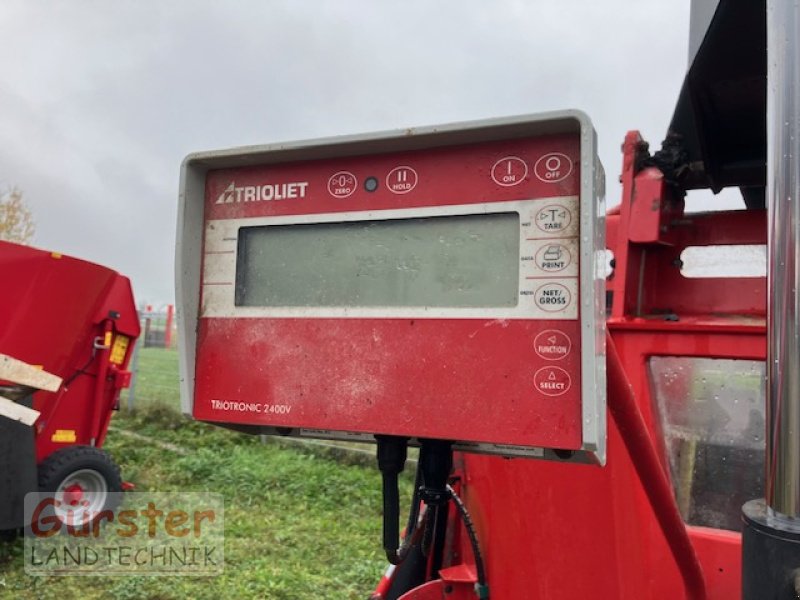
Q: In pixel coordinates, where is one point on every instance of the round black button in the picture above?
(371, 184)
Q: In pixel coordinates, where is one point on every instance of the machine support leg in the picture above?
(771, 556)
(629, 421)
(771, 533)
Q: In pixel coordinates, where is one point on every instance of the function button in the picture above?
(552, 344)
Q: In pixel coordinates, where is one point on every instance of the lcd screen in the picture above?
(447, 261)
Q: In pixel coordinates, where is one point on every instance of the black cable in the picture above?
(427, 534)
(438, 536)
(483, 588)
(391, 514)
(430, 487)
(81, 371)
(413, 513)
(435, 463)
(392, 453)
(412, 533)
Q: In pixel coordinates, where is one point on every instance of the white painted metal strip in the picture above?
(17, 412)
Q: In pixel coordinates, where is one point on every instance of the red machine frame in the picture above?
(77, 338)
(616, 532)
(77, 321)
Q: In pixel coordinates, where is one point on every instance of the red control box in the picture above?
(432, 283)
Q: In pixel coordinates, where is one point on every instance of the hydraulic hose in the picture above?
(481, 587)
(473, 537)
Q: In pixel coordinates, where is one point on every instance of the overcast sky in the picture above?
(101, 100)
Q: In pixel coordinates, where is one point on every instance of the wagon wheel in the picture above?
(83, 480)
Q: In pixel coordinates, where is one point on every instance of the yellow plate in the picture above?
(119, 349)
(64, 436)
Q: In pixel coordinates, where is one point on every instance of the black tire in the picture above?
(92, 470)
(8, 535)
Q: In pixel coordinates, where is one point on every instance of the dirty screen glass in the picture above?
(712, 416)
(452, 261)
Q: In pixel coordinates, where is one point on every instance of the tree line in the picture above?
(16, 219)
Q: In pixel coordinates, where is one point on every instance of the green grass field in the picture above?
(157, 381)
(297, 524)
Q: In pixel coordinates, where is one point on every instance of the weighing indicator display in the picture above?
(469, 260)
(442, 284)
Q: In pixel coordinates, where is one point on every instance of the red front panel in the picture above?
(509, 381)
(403, 377)
(455, 175)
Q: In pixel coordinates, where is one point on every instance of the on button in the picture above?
(509, 170)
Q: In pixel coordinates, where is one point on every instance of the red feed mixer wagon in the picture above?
(67, 330)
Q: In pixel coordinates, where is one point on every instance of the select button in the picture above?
(552, 381)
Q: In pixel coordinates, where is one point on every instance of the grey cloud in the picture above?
(102, 100)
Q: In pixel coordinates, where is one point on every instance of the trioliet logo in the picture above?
(262, 193)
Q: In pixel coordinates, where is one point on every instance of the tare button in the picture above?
(553, 218)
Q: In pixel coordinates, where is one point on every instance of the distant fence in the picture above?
(158, 331)
(158, 326)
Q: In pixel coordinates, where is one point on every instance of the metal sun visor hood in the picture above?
(718, 128)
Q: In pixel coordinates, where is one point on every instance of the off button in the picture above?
(552, 381)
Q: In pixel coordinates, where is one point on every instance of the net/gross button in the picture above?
(552, 297)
